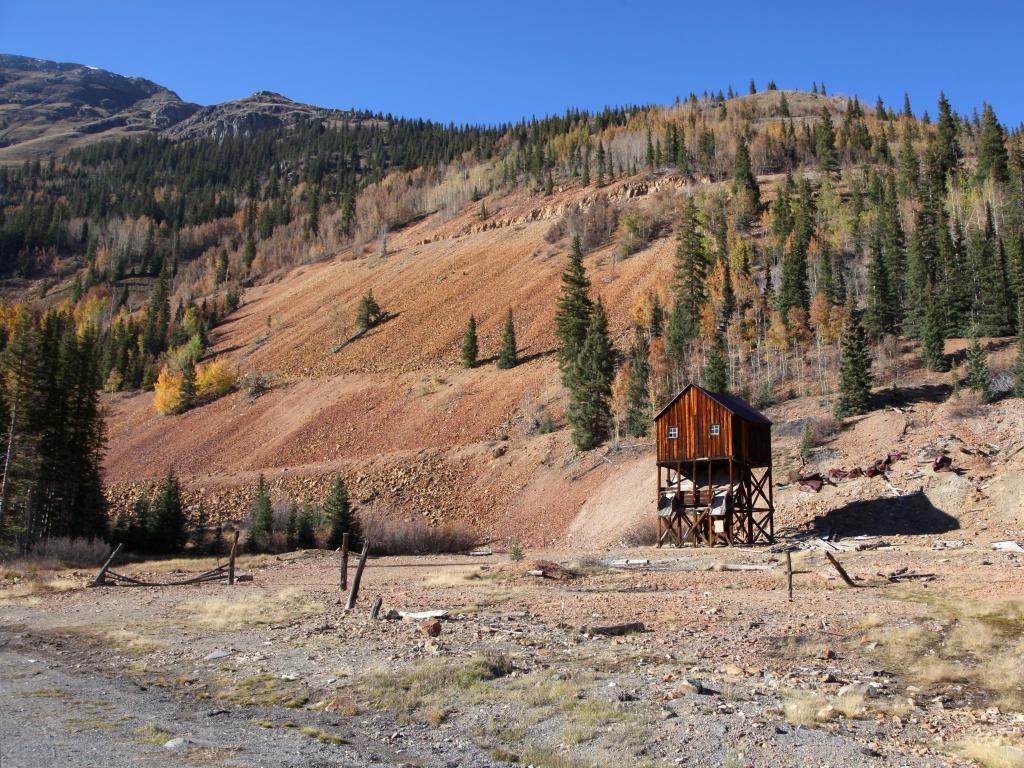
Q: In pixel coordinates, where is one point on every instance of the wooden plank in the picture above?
(354, 592)
(101, 577)
(840, 570)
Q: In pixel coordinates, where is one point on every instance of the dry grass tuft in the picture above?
(992, 754)
(151, 734)
(250, 609)
(978, 643)
(419, 692)
(454, 577)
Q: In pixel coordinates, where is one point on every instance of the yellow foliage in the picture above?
(215, 379)
(168, 392)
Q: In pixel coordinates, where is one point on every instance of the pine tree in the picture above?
(638, 399)
(689, 291)
(188, 384)
(978, 378)
(933, 337)
(509, 356)
(992, 306)
(368, 311)
(305, 531)
(573, 312)
(992, 155)
(793, 287)
(744, 186)
(910, 169)
(716, 372)
(880, 315)
(854, 367)
(825, 143)
(339, 516)
(292, 527)
(261, 515)
(469, 344)
(946, 150)
(589, 412)
(166, 530)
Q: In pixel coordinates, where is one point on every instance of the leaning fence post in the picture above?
(343, 576)
(231, 561)
(101, 577)
(789, 573)
(354, 592)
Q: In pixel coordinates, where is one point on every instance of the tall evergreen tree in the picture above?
(167, 532)
(978, 377)
(825, 143)
(469, 344)
(261, 515)
(589, 411)
(338, 512)
(716, 371)
(880, 316)
(509, 356)
(933, 336)
(572, 314)
(638, 398)
(993, 158)
(854, 367)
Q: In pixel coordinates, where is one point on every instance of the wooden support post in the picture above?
(354, 592)
(840, 570)
(101, 577)
(789, 574)
(343, 576)
(375, 608)
(231, 560)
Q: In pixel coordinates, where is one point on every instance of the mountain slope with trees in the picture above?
(777, 244)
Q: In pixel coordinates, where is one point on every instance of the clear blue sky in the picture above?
(483, 61)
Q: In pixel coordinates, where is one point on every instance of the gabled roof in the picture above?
(731, 403)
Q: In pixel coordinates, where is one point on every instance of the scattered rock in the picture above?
(826, 713)
(220, 653)
(176, 743)
(429, 627)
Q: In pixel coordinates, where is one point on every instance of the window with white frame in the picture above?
(673, 433)
(714, 430)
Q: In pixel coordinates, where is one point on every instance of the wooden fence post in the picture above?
(231, 560)
(789, 574)
(101, 577)
(343, 576)
(354, 592)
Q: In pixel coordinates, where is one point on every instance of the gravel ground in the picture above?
(274, 673)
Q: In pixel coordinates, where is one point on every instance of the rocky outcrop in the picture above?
(47, 107)
(262, 111)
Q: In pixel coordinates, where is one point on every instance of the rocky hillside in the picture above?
(48, 107)
(262, 111)
(418, 436)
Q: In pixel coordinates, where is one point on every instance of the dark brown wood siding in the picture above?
(693, 413)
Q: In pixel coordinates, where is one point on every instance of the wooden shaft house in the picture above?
(714, 471)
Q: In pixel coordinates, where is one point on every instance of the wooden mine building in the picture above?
(714, 471)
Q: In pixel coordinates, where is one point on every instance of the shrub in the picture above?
(388, 536)
(516, 554)
(215, 379)
(69, 552)
(642, 533)
(167, 399)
